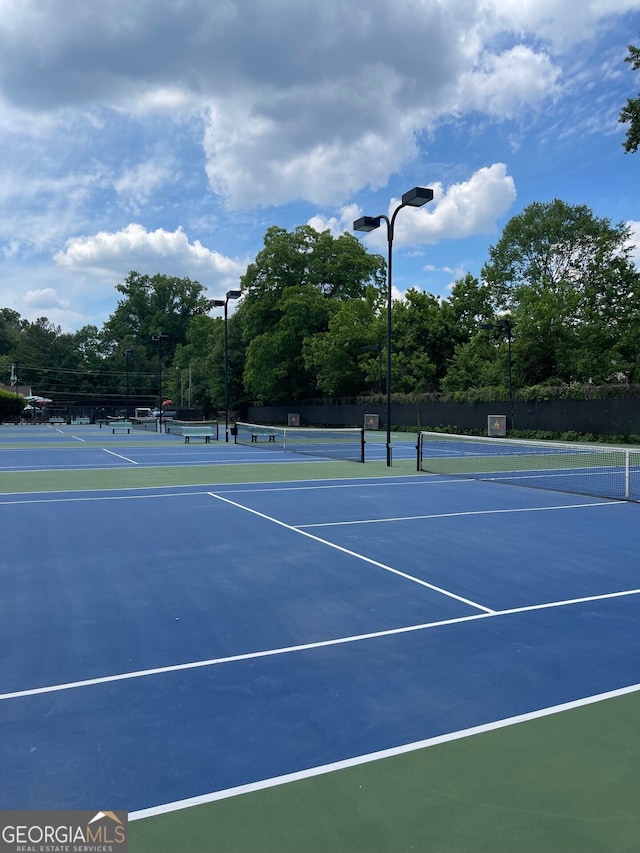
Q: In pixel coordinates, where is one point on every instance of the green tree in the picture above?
(566, 277)
(11, 324)
(480, 362)
(469, 306)
(425, 332)
(200, 361)
(340, 358)
(151, 305)
(290, 292)
(275, 367)
(475, 358)
(44, 356)
(11, 405)
(630, 113)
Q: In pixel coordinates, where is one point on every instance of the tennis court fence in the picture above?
(585, 469)
(346, 443)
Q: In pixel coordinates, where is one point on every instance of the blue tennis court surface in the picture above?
(164, 644)
(60, 448)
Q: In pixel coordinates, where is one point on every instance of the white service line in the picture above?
(379, 565)
(181, 667)
(459, 514)
(120, 456)
(320, 644)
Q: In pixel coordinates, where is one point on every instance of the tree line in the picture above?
(557, 306)
(556, 310)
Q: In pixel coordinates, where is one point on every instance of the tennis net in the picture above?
(147, 424)
(177, 427)
(345, 443)
(584, 469)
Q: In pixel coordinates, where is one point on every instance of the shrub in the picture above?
(11, 404)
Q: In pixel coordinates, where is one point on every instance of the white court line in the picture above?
(252, 485)
(358, 760)
(351, 484)
(356, 555)
(458, 514)
(120, 456)
(75, 438)
(98, 498)
(320, 644)
(180, 667)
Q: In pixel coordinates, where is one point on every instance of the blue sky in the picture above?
(168, 136)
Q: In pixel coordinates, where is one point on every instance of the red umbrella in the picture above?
(167, 403)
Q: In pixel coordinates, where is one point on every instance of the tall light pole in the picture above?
(415, 197)
(179, 369)
(219, 303)
(127, 355)
(14, 382)
(504, 325)
(162, 336)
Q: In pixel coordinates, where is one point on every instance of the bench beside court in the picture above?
(256, 435)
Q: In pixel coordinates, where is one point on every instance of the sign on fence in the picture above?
(496, 426)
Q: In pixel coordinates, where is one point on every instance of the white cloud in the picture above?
(168, 100)
(10, 249)
(505, 85)
(48, 302)
(148, 252)
(44, 299)
(467, 208)
(198, 114)
(306, 101)
(140, 182)
(634, 226)
(278, 147)
(337, 225)
(464, 209)
(562, 22)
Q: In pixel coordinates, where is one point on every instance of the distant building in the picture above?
(24, 390)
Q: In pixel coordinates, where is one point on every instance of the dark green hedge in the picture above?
(10, 404)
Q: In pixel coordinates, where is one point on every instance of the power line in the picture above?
(97, 372)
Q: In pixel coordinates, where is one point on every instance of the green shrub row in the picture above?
(532, 394)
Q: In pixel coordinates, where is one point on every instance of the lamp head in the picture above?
(417, 196)
(234, 294)
(367, 223)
